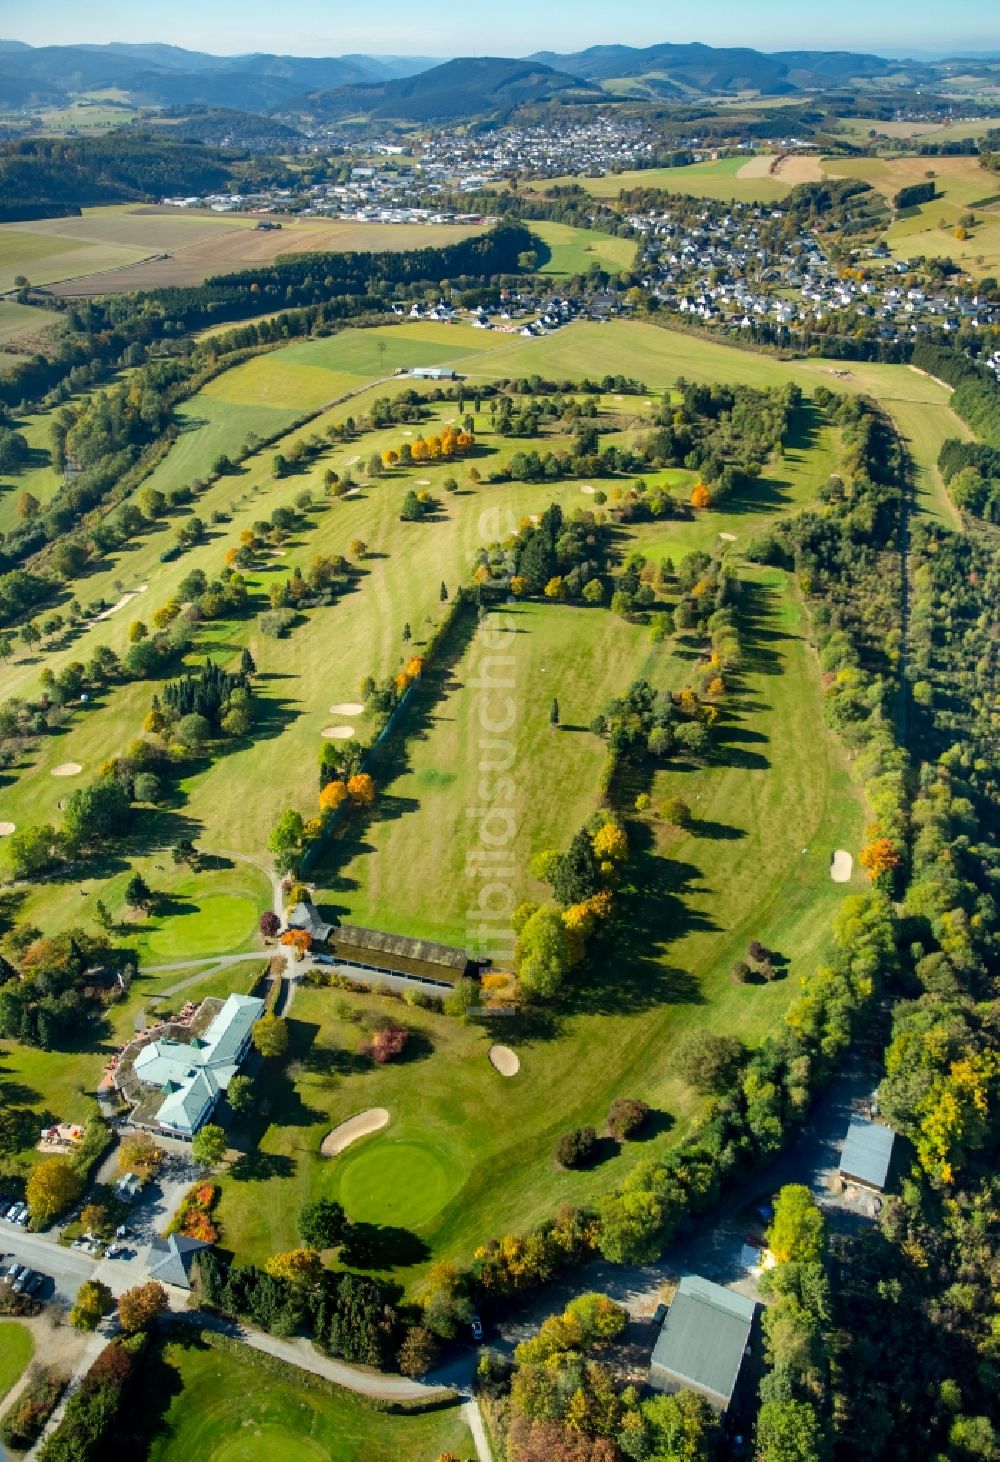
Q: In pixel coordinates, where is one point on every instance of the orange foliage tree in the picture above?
(332, 795)
(298, 939)
(699, 496)
(361, 789)
(879, 857)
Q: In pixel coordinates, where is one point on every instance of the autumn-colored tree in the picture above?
(556, 588)
(388, 1041)
(139, 1154)
(269, 924)
(332, 796)
(879, 857)
(611, 842)
(299, 940)
(358, 548)
(415, 666)
(94, 1300)
(52, 1186)
(361, 789)
(94, 1217)
(419, 1352)
(518, 585)
(676, 811)
(700, 496)
(390, 457)
(270, 1036)
(302, 1267)
(139, 1307)
(137, 631)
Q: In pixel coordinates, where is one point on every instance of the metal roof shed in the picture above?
(703, 1341)
(867, 1153)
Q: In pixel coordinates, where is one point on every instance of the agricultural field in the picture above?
(125, 247)
(727, 177)
(193, 1399)
(577, 250)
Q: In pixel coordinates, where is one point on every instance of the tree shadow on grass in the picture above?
(257, 1166)
(716, 831)
(656, 1124)
(142, 1419)
(382, 1246)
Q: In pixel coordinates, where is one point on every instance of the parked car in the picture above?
(21, 1283)
(324, 959)
(34, 1283)
(476, 1326)
(24, 1216)
(113, 1251)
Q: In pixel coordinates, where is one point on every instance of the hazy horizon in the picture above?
(304, 28)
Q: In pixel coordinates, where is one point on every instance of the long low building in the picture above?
(397, 954)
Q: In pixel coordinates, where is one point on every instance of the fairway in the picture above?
(193, 1400)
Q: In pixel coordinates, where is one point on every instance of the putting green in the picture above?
(403, 1183)
(221, 922)
(267, 1444)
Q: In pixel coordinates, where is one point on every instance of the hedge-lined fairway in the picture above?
(193, 1400)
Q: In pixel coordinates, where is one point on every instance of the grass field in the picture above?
(44, 258)
(16, 1350)
(577, 250)
(193, 1400)
(717, 179)
(377, 876)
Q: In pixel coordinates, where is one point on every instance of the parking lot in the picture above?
(64, 1267)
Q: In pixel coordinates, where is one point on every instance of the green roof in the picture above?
(703, 1339)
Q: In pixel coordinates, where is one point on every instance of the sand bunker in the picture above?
(504, 1060)
(67, 769)
(728, 537)
(360, 1126)
(423, 482)
(120, 604)
(353, 492)
(842, 866)
(586, 487)
(757, 167)
(338, 733)
(347, 708)
(6, 828)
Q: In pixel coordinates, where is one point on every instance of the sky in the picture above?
(517, 27)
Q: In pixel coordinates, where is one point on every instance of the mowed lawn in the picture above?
(195, 1401)
(475, 1151)
(577, 250)
(16, 1349)
(385, 874)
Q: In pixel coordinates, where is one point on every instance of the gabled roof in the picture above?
(308, 917)
(867, 1152)
(170, 1259)
(192, 1076)
(703, 1338)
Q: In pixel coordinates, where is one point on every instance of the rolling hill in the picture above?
(480, 86)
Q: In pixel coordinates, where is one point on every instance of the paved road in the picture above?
(68, 1268)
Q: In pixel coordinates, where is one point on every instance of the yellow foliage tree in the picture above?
(415, 666)
(52, 1186)
(716, 686)
(556, 588)
(611, 842)
(420, 451)
(332, 795)
(298, 1266)
(518, 585)
(390, 457)
(700, 496)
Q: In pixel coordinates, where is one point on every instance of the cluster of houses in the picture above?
(721, 270)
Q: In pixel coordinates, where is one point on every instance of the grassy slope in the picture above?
(16, 1350)
(577, 250)
(17, 321)
(194, 1401)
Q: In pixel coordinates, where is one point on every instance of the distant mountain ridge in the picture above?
(469, 86)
